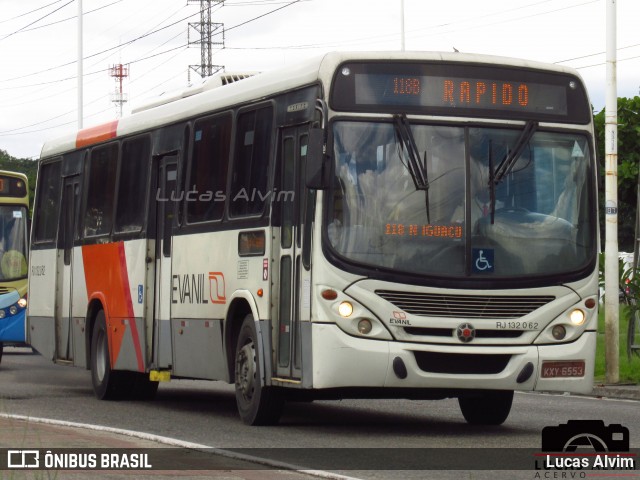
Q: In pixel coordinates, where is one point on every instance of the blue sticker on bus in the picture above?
(140, 293)
(482, 260)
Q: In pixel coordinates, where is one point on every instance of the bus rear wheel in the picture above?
(257, 404)
(107, 383)
(486, 408)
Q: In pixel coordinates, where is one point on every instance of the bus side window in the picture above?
(251, 162)
(98, 215)
(132, 185)
(208, 169)
(46, 219)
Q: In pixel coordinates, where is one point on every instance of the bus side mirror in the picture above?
(315, 175)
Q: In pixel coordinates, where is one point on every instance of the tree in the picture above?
(628, 167)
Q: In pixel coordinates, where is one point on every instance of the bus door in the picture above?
(67, 232)
(292, 308)
(159, 254)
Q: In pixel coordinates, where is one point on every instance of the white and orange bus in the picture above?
(416, 225)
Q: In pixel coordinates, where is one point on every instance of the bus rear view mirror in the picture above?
(315, 168)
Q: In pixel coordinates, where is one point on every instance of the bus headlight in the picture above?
(577, 317)
(2, 313)
(351, 316)
(569, 325)
(13, 309)
(22, 303)
(345, 309)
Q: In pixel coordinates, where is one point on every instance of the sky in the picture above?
(39, 47)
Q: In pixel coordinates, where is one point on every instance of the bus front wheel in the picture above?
(107, 383)
(257, 404)
(486, 408)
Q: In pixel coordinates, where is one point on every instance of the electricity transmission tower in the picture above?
(206, 30)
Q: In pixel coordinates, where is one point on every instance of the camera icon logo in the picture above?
(585, 435)
(23, 458)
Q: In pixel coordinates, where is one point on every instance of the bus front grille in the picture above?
(461, 364)
(449, 332)
(464, 306)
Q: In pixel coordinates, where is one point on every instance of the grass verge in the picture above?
(629, 367)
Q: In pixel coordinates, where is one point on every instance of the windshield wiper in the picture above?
(506, 165)
(508, 162)
(417, 167)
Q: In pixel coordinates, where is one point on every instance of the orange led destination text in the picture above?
(456, 92)
(406, 86)
(442, 231)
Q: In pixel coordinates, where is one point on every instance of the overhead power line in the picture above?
(140, 37)
(603, 63)
(262, 16)
(594, 54)
(36, 21)
(30, 11)
(16, 131)
(263, 3)
(73, 77)
(21, 77)
(70, 18)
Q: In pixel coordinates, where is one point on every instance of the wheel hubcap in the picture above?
(245, 370)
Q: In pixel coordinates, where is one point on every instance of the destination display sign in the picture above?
(460, 90)
(12, 187)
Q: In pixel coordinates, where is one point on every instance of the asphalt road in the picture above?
(205, 413)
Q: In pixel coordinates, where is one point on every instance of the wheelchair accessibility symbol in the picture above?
(482, 260)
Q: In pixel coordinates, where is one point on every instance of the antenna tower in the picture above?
(206, 30)
(119, 72)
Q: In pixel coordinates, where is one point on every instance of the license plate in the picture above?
(563, 369)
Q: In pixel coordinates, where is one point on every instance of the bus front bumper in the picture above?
(341, 360)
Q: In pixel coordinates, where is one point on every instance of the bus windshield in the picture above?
(13, 242)
(539, 219)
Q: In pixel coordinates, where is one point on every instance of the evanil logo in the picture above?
(194, 288)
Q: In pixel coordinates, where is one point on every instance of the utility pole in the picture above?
(402, 25)
(206, 30)
(80, 69)
(611, 274)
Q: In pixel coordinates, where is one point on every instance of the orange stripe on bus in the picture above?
(96, 134)
(126, 290)
(106, 276)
